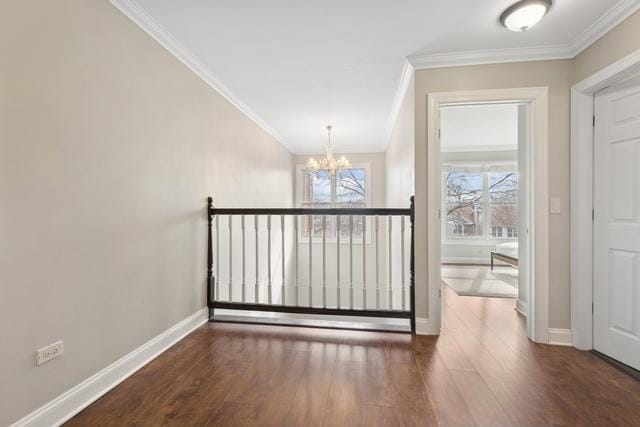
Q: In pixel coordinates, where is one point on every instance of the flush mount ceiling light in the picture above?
(524, 14)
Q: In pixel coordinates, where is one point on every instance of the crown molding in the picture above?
(489, 56)
(602, 26)
(401, 92)
(608, 21)
(595, 31)
(149, 25)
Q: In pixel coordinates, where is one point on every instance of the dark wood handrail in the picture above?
(312, 211)
(309, 309)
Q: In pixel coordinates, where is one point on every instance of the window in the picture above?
(464, 204)
(503, 204)
(480, 204)
(347, 189)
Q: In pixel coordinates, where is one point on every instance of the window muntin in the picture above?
(464, 204)
(503, 204)
(480, 204)
(346, 189)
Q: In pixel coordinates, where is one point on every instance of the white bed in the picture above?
(506, 252)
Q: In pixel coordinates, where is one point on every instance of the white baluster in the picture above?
(295, 244)
(269, 258)
(402, 261)
(244, 282)
(310, 261)
(230, 258)
(256, 292)
(377, 265)
(364, 262)
(217, 259)
(324, 265)
(338, 263)
(390, 224)
(351, 262)
(282, 292)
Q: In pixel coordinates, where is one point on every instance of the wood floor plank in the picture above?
(446, 401)
(452, 354)
(381, 416)
(482, 370)
(345, 401)
(307, 405)
(484, 408)
(233, 414)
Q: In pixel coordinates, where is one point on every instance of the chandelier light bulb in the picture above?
(328, 163)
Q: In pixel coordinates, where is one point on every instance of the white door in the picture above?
(616, 286)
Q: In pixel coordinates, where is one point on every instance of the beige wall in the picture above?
(557, 76)
(616, 44)
(109, 147)
(399, 156)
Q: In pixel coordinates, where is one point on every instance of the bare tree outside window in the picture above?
(479, 203)
(345, 189)
(503, 196)
(465, 204)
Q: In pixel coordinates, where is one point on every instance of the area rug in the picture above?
(481, 281)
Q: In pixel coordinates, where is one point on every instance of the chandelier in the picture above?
(328, 163)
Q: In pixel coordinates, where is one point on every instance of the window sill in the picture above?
(478, 242)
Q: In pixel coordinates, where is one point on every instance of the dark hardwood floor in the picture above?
(482, 370)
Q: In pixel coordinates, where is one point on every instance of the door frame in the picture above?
(538, 162)
(582, 173)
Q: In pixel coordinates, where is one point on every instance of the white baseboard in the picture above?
(521, 307)
(82, 395)
(560, 337)
(466, 260)
(424, 327)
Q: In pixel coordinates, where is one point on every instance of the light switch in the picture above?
(554, 205)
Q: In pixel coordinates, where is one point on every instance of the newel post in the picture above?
(210, 278)
(412, 269)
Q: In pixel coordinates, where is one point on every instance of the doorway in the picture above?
(484, 200)
(532, 256)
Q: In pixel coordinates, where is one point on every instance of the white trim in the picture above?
(611, 19)
(521, 307)
(489, 56)
(401, 92)
(482, 148)
(538, 144)
(343, 151)
(560, 337)
(425, 327)
(147, 23)
(595, 31)
(65, 406)
(413, 62)
(485, 261)
(582, 193)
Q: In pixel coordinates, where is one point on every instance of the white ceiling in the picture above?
(490, 127)
(295, 66)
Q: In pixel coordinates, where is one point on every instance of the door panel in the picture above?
(616, 319)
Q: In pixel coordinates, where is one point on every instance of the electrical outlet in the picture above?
(49, 352)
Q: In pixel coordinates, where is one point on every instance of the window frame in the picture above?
(299, 201)
(484, 168)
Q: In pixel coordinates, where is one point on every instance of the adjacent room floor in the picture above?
(480, 280)
(482, 370)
